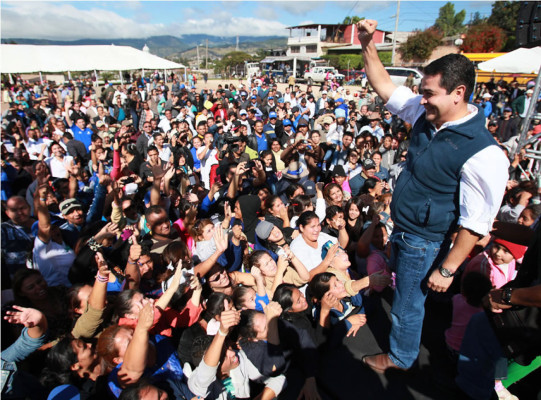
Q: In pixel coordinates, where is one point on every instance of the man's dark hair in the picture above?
(455, 70)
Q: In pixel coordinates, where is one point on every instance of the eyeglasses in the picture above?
(217, 277)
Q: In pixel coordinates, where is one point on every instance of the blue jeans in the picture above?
(413, 258)
(481, 359)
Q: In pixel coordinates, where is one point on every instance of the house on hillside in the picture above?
(315, 40)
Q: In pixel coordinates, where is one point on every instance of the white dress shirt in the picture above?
(483, 177)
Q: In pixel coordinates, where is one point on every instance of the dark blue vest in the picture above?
(425, 199)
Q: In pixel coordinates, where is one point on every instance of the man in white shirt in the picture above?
(454, 179)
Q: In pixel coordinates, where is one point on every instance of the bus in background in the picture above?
(486, 76)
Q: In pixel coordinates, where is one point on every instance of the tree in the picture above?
(477, 19)
(232, 62)
(420, 45)
(504, 15)
(351, 20)
(484, 38)
(448, 22)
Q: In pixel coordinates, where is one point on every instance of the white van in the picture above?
(400, 74)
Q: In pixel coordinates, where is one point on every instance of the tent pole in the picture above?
(96, 84)
(121, 79)
(10, 78)
(185, 78)
(40, 78)
(164, 76)
(69, 76)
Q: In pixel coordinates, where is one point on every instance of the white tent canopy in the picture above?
(520, 61)
(30, 58)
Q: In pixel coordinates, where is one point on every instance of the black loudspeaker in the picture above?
(528, 32)
(535, 33)
(525, 12)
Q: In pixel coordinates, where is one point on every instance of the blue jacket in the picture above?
(425, 199)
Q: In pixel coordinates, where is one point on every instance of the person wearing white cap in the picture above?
(487, 105)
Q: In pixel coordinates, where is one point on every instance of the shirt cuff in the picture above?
(480, 228)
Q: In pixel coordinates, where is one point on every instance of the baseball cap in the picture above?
(302, 122)
(243, 112)
(369, 164)
(287, 122)
(254, 97)
(507, 109)
(339, 100)
(264, 229)
(99, 124)
(340, 113)
(69, 205)
(272, 114)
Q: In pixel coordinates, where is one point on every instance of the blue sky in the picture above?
(71, 20)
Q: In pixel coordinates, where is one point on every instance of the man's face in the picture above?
(364, 110)
(81, 123)
(159, 223)
(147, 128)
(168, 115)
(369, 172)
(492, 128)
(387, 142)
(18, 210)
(75, 216)
(201, 129)
(258, 128)
(440, 107)
(153, 156)
(346, 140)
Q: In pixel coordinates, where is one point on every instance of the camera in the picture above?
(129, 179)
(250, 164)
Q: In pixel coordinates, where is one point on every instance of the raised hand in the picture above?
(146, 316)
(29, 317)
(272, 310)
(328, 301)
(229, 319)
(366, 28)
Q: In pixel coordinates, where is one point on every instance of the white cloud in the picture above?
(66, 22)
(299, 8)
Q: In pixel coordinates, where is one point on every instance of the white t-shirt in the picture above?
(206, 164)
(310, 257)
(34, 146)
(58, 167)
(54, 261)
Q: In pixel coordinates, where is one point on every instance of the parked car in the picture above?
(318, 75)
(400, 74)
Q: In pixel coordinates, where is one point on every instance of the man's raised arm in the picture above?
(377, 76)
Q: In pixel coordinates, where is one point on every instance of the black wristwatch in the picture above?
(506, 295)
(446, 273)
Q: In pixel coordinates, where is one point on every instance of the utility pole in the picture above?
(395, 31)
(198, 63)
(207, 59)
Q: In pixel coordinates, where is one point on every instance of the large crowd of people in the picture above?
(170, 241)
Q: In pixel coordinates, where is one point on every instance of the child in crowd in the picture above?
(498, 263)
